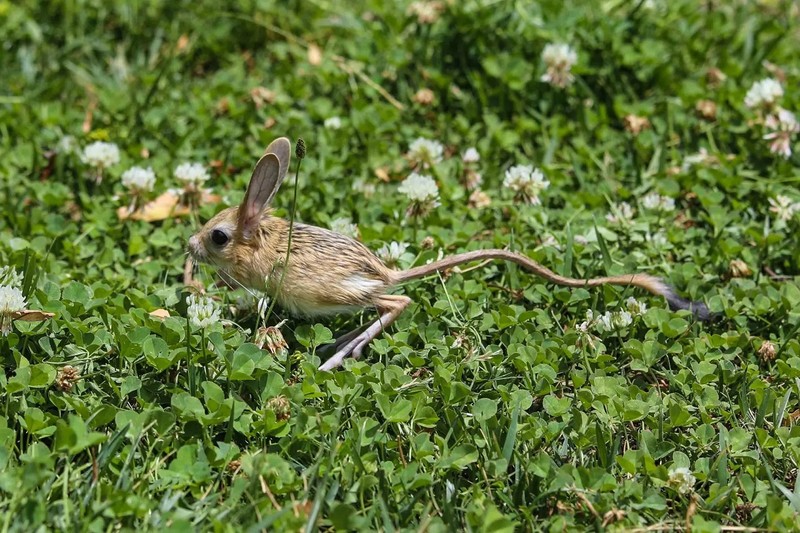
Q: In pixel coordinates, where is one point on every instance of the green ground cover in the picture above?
(497, 401)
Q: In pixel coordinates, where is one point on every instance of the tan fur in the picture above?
(644, 281)
(328, 272)
(324, 266)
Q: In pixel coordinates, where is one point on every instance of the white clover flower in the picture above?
(11, 301)
(10, 277)
(333, 123)
(764, 93)
(423, 193)
(392, 252)
(139, 179)
(263, 307)
(622, 213)
(449, 490)
(667, 203)
(478, 199)
(659, 240)
(611, 320)
(192, 174)
(367, 188)
(656, 202)
(101, 155)
(472, 179)
(783, 207)
(681, 479)
(202, 311)
(651, 201)
(585, 337)
(783, 126)
(635, 307)
(526, 182)
(605, 322)
(425, 151)
(652, 5)
(550, 241)
(620, 319)
(67, 145)
(471, 155)
(419, 188)
(242, 303)
(559, 54)
(559, 58)
(584, 326)
(426, 12)
(702, 157)
(344, 226)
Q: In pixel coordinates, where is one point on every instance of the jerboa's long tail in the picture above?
(644, 281)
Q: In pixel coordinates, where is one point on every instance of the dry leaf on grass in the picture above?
(32, 315)
(636, 124)
(424, 97)
(314, 54)
(183, 43)
(262, 96)
(165, 206)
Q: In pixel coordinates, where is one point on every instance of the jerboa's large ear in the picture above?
(265, 182)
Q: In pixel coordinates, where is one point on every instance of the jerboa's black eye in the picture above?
(219, 237)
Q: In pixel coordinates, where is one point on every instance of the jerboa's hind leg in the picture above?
(389, 307)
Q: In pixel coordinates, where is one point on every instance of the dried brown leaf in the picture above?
(165, 206)
(183, 42)
(32, 315)
(262, 96)
(314, 55)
